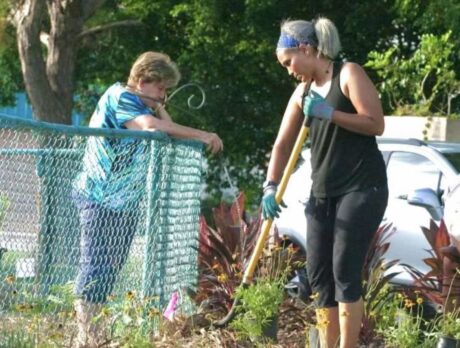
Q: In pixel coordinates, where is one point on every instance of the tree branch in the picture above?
(422, 85)
(100, 28)
(17, 12)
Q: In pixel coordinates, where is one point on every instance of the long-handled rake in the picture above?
(265, 229)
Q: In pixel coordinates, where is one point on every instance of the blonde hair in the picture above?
(328, 37)
(328, 40)
(154, 67)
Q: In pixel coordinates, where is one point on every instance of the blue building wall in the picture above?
(24, 110)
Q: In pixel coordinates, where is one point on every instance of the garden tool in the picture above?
(266, 226)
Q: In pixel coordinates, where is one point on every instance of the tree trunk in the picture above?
(50, 83)
(45, 104)
(66, 25)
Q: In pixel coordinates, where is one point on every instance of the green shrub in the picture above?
(259, 304)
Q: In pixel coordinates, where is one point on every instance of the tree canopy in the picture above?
(227, 47)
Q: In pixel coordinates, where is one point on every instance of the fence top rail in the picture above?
(39, 152)
(7, 121)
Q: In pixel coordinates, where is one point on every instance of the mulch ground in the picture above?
(293, 320)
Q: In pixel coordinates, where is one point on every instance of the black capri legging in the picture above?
(340, 230)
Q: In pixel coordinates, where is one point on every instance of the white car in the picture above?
(420, 176)
(452, 215)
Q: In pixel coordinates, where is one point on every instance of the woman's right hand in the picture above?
(316, 106)
(270, 208)
(213, 142)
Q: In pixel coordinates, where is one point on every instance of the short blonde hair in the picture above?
(154, 67)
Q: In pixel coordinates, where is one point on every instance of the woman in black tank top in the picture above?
(349, 191)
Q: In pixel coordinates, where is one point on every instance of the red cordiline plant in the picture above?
(434, 285)
(223, 253)
(225, 250)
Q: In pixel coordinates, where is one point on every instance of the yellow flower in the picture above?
(130, 295)
(321, 321)
(10, 279)
(20, 307)
(408, 303)
(419, 300)
(314, 296)
(105, 312)
(322, 324)
(24, 307)
(222, 278)
(153, 312)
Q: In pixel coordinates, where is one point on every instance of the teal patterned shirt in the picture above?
(114, 169)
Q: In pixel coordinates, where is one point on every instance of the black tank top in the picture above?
(343, 161)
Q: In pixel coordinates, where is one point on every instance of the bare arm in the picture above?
(358, 87)
(162, 113)
(150, 123)
(287, 135)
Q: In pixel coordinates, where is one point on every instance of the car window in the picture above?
(409, 171)
(454, 159)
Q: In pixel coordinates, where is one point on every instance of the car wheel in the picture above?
(299, 287)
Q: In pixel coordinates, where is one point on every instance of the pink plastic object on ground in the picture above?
(172, 306)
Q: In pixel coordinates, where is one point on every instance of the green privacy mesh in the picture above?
(144, 227)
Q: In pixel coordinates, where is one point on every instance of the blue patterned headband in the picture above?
(287, 41)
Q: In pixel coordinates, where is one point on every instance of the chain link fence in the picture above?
(43, 165)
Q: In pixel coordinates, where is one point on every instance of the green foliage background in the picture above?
(228, 47)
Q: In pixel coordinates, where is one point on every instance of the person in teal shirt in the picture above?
(111, 183)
